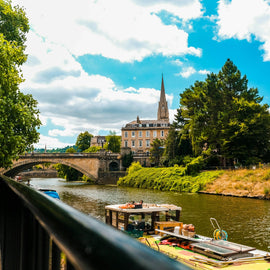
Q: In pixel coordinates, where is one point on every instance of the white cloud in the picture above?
(204, 72)
(73, 101)
(187, 72)
(51, 143)
(243, 19)
(121, 29)
(177, 62)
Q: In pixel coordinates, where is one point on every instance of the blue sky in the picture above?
(97, 64)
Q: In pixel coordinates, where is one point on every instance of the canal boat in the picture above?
(159, 226)
(50, 192)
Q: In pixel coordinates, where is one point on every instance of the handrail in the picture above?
(35, 229)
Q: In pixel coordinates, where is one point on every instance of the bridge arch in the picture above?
(22, 166)
(90, 164)
(114, 166)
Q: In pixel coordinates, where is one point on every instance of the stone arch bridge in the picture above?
(90, 164)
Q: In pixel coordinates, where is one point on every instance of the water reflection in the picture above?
(246, 220)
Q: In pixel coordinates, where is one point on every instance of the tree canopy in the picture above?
(84, 140)
(156, 151)
(225, 118)
(113, 142)
(18, 112)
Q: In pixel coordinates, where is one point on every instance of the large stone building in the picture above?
(139, 134)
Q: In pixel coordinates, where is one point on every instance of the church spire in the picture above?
(163, 112)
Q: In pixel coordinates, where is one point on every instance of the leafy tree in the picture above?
(177, 143)
(225, 118)
(18, 112)
(156, 151)
(127, 159)
(113, 142)
(84, 140)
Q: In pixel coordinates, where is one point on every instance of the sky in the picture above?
(95, 65)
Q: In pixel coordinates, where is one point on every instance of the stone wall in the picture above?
(106, 178)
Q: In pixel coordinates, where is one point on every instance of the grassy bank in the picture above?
(249, 183)
(244, 182)
(166, 179)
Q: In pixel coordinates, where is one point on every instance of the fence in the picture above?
(38, 232)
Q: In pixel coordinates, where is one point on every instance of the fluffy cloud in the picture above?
(125, 30)
(186, 72)
(70, 99)
(243, 19)
(50, 143)
(75, 100)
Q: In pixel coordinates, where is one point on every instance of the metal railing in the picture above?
(36, 230)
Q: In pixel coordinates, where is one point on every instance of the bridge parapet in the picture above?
(89, 164)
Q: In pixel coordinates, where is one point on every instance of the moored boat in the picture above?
(159, 226)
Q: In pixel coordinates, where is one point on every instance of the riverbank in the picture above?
(251, 183)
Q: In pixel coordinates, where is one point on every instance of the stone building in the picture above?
(98, 141)
(139, 134)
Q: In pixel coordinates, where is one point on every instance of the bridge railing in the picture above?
(39, 232)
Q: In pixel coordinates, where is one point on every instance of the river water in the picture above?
(247, 221)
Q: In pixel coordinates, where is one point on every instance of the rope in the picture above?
(220, 235)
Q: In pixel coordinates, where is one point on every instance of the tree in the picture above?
(113, 142)
(225, 118)
(18, 112)
(127, 159)
(156, 151)
(84, 140)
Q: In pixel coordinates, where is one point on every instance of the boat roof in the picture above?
(146, 208)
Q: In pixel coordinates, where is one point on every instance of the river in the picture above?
(247, 221)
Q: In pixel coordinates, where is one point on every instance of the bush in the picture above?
(168, 179)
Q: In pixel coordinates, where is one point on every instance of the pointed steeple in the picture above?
(163, 112)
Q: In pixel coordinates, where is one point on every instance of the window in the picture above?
(140, 133)
(133, 133)
(133, 143)
(147, 143)
(154, 133)
(140, 143)
(126, 143)
(147, 133)
(162, 133)
(126, 134)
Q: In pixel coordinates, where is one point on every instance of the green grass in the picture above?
(167, 179)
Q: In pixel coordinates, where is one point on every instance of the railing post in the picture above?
(43, 247)
(11, 208)
(28, 245)
(56, 257)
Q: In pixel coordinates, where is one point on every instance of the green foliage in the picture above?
(194, 166)
(18, 112)
(83, 141)
(66, 172)
(87, 179)
(135, 166)
(113, 142)
(224, 115)
(156, 151)
(71, 150)
(166, 179)
(127, 159)
(93, 149)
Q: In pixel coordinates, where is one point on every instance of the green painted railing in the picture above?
(38, 232)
